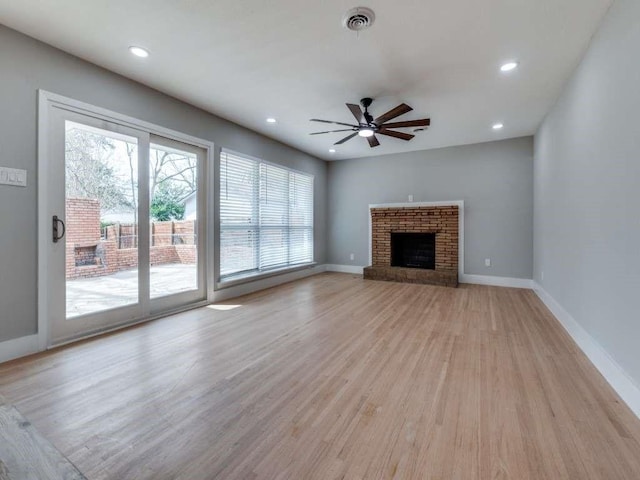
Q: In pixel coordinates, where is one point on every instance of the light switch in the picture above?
(13, 176)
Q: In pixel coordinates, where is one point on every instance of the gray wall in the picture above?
(27, 65)
(587, 191)
(494, 179)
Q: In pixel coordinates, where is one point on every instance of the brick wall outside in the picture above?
(172, 242)
(82, 220)
(443, 221)
(187, 254)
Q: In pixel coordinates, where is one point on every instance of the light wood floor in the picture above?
(334, 377)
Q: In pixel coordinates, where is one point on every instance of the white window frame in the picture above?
(253, 275)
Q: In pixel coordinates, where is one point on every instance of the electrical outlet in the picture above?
(410, 197)
(487, 262)
(352, 257)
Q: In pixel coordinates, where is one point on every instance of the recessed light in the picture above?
(332, 150)
(271, 120)
(509, 66)
(139, 52)
(498, 126)
(366, 132)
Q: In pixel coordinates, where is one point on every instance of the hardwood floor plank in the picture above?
(25, 454)
(334, 377)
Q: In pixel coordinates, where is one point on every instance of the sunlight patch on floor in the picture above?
(223, 308)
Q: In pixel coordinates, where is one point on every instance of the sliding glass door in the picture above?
(127, 225)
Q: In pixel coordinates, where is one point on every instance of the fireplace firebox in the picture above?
(413, 250)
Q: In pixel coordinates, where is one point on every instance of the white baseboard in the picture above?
(496, 281)
(251, 287)
(18, 347)
(345, 269)
(613, 373)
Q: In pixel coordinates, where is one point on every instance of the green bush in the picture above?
(165, 207)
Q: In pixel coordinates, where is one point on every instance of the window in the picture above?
(266, 216)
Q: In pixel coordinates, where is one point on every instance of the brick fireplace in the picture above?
(440, 220)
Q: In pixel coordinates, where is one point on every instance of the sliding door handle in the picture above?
(56, 233)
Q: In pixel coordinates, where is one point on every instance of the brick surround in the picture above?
(90, 255)
(441, 220)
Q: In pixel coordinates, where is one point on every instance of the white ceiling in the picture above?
(246, 60)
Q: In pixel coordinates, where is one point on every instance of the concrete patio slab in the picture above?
(90, 295)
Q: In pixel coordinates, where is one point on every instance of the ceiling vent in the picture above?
(358, 19)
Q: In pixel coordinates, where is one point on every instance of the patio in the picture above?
(90, 295)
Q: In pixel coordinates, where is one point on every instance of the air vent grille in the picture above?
(358, 19)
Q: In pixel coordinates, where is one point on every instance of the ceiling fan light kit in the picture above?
(368, 126)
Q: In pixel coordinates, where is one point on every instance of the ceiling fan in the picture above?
(368, 127)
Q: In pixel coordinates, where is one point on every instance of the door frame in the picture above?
(48, 101)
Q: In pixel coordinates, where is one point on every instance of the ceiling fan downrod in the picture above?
(366, 103)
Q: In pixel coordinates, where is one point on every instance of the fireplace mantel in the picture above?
(445, 219)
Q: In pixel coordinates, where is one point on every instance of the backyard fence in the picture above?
(178, 232)
(94, 251)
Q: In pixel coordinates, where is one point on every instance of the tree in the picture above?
(172, 179)
(89, 173)
(106, 169)
(172, 167)
(166, 205)
(132, 153)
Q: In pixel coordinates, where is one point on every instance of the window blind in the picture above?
(266, 216)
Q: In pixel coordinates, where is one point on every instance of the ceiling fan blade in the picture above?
(425, 122)
(356, 111)
(391, 133)
(332, 131)
(349, 137)
(393, 113)
(373, 141)
(335, 123)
